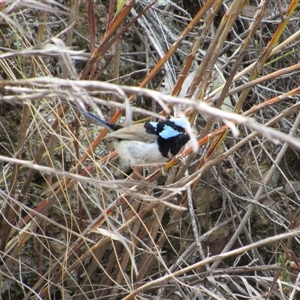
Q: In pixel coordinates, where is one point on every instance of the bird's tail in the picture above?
(91, 116)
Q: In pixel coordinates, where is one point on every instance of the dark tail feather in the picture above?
(93, 117)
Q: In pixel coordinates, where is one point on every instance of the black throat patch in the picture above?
(172, 146)
(170, 136)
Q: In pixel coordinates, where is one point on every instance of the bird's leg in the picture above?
(135, 170)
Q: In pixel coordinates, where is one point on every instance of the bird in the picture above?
(144, 143)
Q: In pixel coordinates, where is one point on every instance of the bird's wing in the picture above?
(135, 132)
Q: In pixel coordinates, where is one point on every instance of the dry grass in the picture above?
(219, 222)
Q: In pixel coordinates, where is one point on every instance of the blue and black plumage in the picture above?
(171, 135)
(145, 143)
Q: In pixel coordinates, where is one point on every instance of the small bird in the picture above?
(145, 143)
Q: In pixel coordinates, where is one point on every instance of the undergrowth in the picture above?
(218, 221)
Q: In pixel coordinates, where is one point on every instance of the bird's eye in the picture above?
(154, 125)
(168, 128)
(151, 127)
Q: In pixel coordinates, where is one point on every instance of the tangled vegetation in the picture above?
(218, 221)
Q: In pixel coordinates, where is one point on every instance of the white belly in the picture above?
(136, 152)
